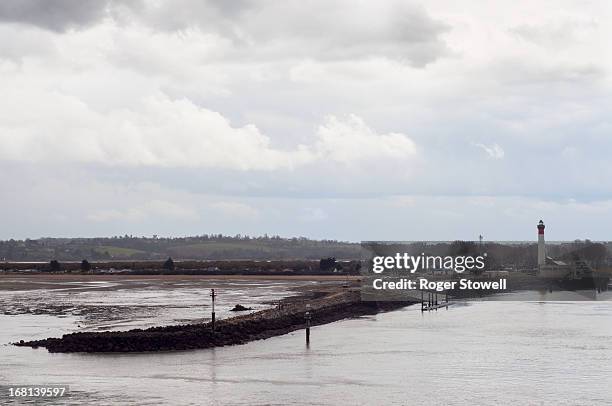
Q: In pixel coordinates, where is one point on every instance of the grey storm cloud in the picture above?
(56, 15)
(262, 30)
(323, 30)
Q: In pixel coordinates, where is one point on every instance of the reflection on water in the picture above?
(556, 353)
(552, 296)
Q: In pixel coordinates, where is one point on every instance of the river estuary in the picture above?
(484, 352)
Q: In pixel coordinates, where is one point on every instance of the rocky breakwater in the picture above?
(287, 316)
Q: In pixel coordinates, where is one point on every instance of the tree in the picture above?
(327, 264)
(593, 253)
(85, 266)
(55, 266)
(470, 249)
(463, 248)
(169, 265)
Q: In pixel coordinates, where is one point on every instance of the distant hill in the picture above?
(206, 247)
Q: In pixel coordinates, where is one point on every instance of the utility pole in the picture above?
(213, 295)
(307, 317)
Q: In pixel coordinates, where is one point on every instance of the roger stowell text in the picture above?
(390, 268)
(439, 286)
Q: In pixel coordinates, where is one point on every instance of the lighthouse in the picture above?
(541, 244)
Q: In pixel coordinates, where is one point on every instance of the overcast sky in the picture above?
(352, 120)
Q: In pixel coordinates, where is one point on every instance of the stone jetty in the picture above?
(287, 316)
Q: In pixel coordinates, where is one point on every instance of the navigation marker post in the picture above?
(213, 295)
(307, 316)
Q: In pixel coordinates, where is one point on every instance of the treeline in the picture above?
(217, 247)
(203, 247)
(323, 266)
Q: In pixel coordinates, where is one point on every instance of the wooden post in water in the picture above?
(213, 295)
(307, 316)
(422, 302)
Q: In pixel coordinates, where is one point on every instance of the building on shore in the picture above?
(550, 268)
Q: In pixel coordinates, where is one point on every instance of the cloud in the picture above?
(342, 99)
(44, 127)
(346, 30)
(262, 31)
(313, 214)
(493, 151)
(156, 132)
(56, 15)
(558, 32)
(235, 209)
(149, 211)
(351, 140)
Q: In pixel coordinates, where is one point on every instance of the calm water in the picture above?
(498, 353)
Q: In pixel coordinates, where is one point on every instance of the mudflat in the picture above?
(30, 281)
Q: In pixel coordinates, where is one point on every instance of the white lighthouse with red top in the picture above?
(541, 244)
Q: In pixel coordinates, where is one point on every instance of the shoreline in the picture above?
(26, 281)
(127, 276)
